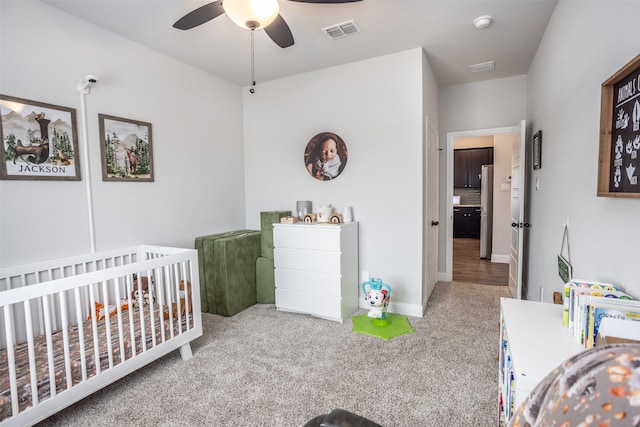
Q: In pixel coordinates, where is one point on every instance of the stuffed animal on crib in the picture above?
(142, 299)
(184, 294)
(377, 295)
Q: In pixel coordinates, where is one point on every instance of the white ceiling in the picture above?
(444, 28)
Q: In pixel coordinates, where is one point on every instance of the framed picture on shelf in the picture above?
(126, 149)
(38, 141)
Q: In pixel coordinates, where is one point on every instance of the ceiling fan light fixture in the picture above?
(252, 14)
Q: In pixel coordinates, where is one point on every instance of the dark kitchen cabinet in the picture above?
(467, 166)
(466, 222)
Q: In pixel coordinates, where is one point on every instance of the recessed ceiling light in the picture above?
(482, 22)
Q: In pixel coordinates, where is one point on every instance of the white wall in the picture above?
(473, 142)
(197, 140)
(484, 105)
(376, 106)
(584, 44)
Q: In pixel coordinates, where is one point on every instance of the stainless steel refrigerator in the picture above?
(486, 211)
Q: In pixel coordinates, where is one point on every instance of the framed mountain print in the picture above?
(126, 149)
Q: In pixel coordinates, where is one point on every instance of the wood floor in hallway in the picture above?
(468, 267)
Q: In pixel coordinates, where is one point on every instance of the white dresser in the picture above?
(316, 269)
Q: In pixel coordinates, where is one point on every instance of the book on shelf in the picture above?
(600, 309)
(613, 330)
(583, 297)
(581, 287)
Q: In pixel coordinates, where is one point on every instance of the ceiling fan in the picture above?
(251, 14)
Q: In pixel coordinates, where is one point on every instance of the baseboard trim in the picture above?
(414, 310)
(502, 259)
(444, 277)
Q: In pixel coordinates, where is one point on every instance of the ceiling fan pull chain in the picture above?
(253, 70)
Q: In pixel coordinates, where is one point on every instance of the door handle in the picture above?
(434, 223)
(521, 225)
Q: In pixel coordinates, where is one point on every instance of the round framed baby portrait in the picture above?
(325, 156)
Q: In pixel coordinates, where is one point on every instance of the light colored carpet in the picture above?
(262, 367)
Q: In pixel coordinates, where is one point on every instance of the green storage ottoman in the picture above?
(267, 219)
(265, 281)
(235, 272)
(204, 263)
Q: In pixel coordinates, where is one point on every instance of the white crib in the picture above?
(54, 349)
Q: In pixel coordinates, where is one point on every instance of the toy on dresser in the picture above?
(377, 295)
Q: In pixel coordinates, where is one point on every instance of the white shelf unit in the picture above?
(316, 269)
(533, 341)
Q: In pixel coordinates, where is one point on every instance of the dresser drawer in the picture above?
(311, 261)
(303, 302)
(321, 238)
(312, 283)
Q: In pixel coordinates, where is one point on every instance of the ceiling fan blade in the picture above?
(200, 15)
(280, 32)
(326, 1)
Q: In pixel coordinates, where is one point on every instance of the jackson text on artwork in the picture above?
(38, 141)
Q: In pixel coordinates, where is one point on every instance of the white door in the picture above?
(518, 195)
(432, 222)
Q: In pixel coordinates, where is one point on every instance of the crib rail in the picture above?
(53, 328)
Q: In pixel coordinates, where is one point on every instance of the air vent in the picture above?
(484, 66)
(344, 29)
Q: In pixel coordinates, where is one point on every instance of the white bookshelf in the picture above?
(533, 342)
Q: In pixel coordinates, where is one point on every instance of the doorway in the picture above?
(469, 267)
(463, 262)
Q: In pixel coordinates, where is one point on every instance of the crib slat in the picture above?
(132, 325)
(120, 333)
(107, 322)
(65, 338)
(94, 329)
(175, 296)
(167, 292)
(11, 359)
(46, 309)
(163, 306)
(152, 318)
(54, 308)
(32, 356)
(143, 331)
(187, 298)
(80, 323)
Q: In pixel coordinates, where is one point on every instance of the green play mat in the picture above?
(391, 326)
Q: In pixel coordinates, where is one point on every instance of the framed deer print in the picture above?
(126, 149)
(38, 141)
